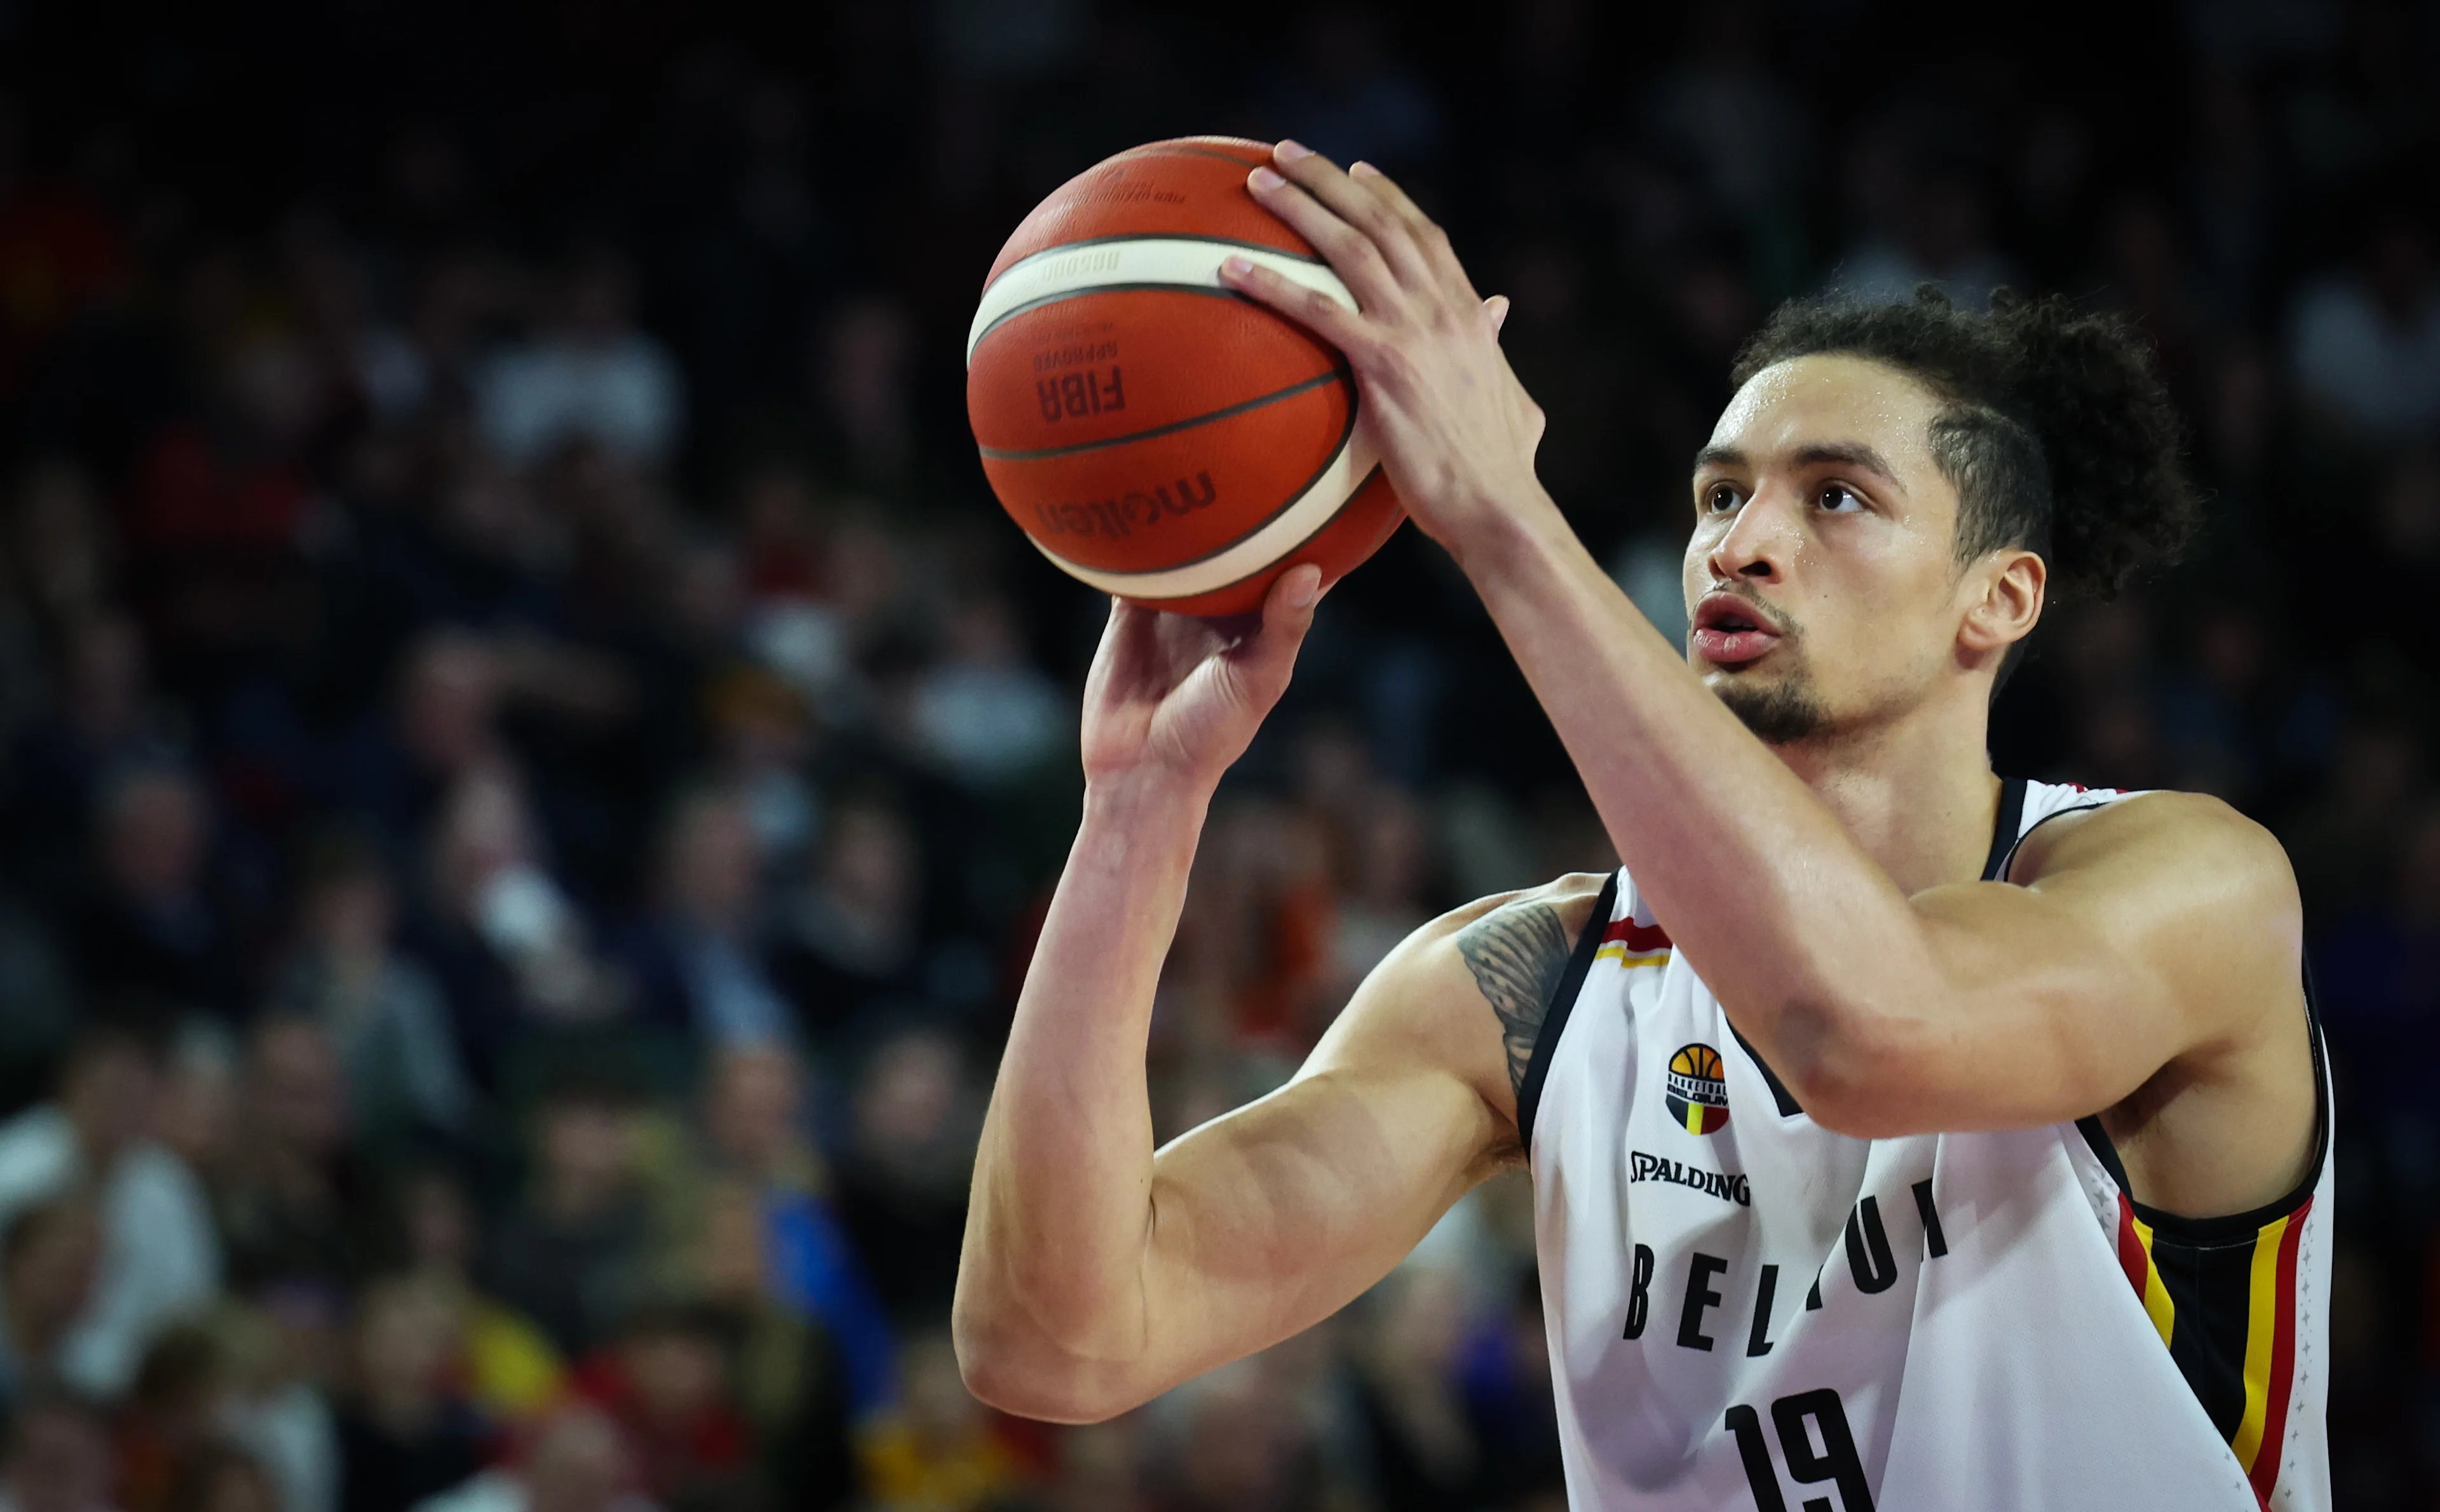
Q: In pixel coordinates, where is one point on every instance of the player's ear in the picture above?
(2009, 603)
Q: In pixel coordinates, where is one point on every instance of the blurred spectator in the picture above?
(160, 1257)
(439, 728)
(170, 1418)
(102, 723)
(1507, 1370)
(1099, 1469)
(756, 1134)
(667, 1382)
(509, 947)
(383, 1014)
(576, 1462)
(195, 1118)
(698, 956)
(227, 1480)
(796, 1383)
(902, 1182)
(763, 737)
(405, 1435)
(148, 932)
(983, 711)
(864, 364)
(49, 1260)
(590, 374)
(850, 943)
(285, 1199)
(938, 1452)
(571, 1256)
(1232, 1439)
(1426, 1453)
(2364, 343)
(57, 1458)
(1383, 897)
(272, 1405)
(509, 1368)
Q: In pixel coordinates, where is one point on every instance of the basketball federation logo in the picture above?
(1699, 1090)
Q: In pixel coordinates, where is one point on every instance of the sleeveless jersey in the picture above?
(1748, 1311)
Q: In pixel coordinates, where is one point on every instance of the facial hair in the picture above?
(1784, 713)
(1785, 710)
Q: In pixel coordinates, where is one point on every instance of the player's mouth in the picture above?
(1730, 629)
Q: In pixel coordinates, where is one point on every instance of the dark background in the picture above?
(530, 761)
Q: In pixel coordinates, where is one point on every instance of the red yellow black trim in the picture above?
(2226, 1310)
(2269, 1351)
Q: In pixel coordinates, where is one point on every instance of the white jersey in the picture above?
(1749, 1311)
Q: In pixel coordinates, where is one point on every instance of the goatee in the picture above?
(1782, 713)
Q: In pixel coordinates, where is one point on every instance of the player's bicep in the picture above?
(1268, 1220)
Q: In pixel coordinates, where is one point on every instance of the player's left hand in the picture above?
(1454, 430)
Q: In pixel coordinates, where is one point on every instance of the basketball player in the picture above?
(1902, 1136)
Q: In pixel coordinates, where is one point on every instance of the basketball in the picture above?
(1156, 434)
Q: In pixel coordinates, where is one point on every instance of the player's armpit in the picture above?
(2161, 931)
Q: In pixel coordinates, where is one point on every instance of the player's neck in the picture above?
(1917, 795)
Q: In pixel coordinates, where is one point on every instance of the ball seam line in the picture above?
(1280, 532)
(1041, 454)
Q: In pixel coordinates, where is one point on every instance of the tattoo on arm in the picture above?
(1517, 952)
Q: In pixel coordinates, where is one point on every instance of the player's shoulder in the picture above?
(1531, 926)
(1468, 990)
(1569, 900)
(2189, 833)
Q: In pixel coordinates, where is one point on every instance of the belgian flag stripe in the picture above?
(1640, 939)
(2269, 1351)
(2135, 1258)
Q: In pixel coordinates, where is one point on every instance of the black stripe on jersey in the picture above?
(2004, 830)
(1563, 999)
(2206, 1264)
(2210, 1291)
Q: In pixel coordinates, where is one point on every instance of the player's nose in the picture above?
(1760, 541)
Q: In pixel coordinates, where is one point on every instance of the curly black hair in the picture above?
(2057, 433)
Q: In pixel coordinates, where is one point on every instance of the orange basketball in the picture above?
(1156, 434)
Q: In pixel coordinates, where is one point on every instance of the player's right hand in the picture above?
(1174, 699)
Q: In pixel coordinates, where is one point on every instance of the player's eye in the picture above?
(1839, 499)
(1720, 498)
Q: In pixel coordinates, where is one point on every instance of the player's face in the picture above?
(1822, 586)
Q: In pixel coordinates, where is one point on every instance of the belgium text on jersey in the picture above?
(1726, 1186)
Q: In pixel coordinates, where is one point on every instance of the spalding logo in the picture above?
(1698, 1092)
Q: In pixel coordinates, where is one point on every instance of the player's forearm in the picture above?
(1795, 928)
(1050, 1289)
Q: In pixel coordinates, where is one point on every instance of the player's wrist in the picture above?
(1148, 796)
(1505, 531)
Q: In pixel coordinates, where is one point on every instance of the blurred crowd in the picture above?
(530, 761)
